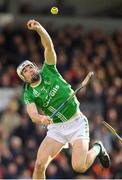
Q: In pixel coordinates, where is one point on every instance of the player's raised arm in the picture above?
(49, 52)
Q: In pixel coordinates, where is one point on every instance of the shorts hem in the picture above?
(56, 139)
(77, 138)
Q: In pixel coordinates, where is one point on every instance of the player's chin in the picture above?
(35, 77)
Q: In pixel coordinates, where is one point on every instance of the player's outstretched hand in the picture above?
(33, 25)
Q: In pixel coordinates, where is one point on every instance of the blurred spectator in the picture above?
(11, 171)
(30, 149)
(15, 146)
(101, 133)
(11, 119)
(25, 129)
(25, 174)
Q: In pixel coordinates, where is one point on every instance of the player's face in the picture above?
(30, 74)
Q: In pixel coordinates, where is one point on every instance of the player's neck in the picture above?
(36, 83)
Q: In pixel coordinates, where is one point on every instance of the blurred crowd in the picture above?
(78, 53)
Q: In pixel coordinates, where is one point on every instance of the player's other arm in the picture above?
(35, 116)
(49, 52)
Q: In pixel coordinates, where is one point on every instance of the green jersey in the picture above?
(50, 93)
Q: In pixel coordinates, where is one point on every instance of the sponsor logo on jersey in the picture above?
(51, 94)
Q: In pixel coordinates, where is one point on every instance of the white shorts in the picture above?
(69, 131)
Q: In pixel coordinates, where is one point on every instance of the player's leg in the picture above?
(82, 158)
(80, 154)
(46, 152)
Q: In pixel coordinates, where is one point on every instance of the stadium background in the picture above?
(87, 35)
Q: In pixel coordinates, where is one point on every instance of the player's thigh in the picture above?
(79, 152)
(48, 150)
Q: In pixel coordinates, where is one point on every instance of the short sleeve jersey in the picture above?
(52, 91)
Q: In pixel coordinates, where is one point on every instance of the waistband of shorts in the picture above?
(74, 117)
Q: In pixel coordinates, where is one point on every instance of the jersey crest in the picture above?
(36, 93)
